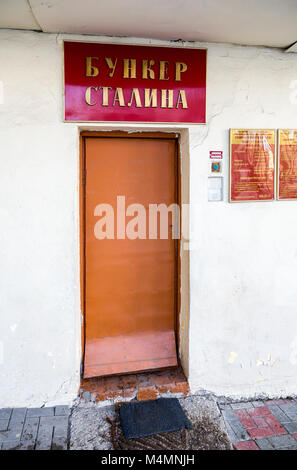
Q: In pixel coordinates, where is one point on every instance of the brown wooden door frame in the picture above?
(82, 211)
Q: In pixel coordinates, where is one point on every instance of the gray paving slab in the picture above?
(279, 414)
(61, 431)
(18, 414)
(5, 413)
(282, 441)
(16, 426)
(257, 403)
(242, 405)
(289, 407)
(59, 443)
(292, 416)
(4, 424)
(54, 420)
(230, 415)
(10, 445)
(45, 432)
(30, 428)
(291, 427)
(9, 436)
(232, 436)
(62, 410)
(27, 444)
(264, 444)
(43, 444)
(38, 412)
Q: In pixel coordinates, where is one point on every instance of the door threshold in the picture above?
(140, 386)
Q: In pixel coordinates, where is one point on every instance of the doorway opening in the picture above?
(130, 269)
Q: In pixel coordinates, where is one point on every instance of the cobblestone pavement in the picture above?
(262, 424)
(34, 428)
(251, 425)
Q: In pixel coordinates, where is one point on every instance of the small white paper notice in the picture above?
(215, 188)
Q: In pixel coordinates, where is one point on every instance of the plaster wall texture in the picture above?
(241, 318)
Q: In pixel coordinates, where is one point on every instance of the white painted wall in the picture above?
(243, 263)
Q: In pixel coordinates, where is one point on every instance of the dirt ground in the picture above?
(91, 429)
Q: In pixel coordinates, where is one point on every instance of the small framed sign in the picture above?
(252, 165)
(287, 164)
(217, 154)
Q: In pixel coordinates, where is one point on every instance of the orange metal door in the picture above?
(130, 291)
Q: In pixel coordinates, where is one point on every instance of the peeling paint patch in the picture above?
(269, 362)
(232, 357)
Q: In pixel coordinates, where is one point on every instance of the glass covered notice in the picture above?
(252, 162)
(287, 164)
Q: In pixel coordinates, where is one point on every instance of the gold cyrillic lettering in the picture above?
(88, 95)
(147, 70)
(129, 68)
(91, 70)
(180, 67)
(163, 70)
(150, 98)
(118, 97)
(135, 94)
(182, 99)
(166, 98)
(105, 95)
(111, 65)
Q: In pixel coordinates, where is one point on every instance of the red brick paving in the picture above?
(259, 433)
(260, 423)
(145, 386)
(259, 411)
(275, 425)
(245, 419)
(246, 445)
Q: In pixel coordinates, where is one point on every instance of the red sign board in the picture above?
(252, 162)
(107, 82)
(287, 164)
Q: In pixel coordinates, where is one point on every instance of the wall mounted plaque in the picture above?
(287, 164)
(252, 165)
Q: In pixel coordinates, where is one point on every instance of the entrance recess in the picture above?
(129, 284)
